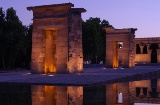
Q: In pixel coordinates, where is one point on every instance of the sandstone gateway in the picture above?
(124, 50)
(124, 53)
(57, 39)
(57, 42)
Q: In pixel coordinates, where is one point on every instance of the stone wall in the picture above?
(56, 39)
(75, 95)
(113, 36)
(114, 90)
(142, 57)
(57, 95)
(144, 95)
(75, 58)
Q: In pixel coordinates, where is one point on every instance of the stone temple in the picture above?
(147, 50)
(57, 42)
(120, 47)
(123, 49)
(57, 39)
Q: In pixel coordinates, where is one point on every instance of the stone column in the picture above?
(149, 51)
(148, 90)
(141, 48)
(148, 46)
(141, 92)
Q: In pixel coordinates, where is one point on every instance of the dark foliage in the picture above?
(94, 39)
(15, 41)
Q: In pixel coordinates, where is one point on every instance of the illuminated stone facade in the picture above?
(123, 48)
(57, 39)
(146, 91)
(116, 91)
(128, 93)
(120, 47)
(147, 50)
(57, 95)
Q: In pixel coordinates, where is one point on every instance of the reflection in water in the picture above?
(15, 95)
(145, 91)
(57, 95)
(128, 93)
(118, 89)
(95, 95)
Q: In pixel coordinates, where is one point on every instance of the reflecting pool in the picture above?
(144, 92)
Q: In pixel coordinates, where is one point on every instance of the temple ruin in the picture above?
(57, 39)
(123, 49)
(144, 91)
(57, 42)
(120, 47)
(147, 50)
(56, 95)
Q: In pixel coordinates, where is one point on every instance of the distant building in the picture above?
(122, 48)
(147, 50)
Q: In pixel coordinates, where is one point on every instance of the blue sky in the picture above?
(141, 14)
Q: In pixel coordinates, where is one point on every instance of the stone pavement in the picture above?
(91, 76)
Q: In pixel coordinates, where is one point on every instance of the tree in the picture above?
(14, 37)
(94, 39)
(2, 37)
(28, 46)
(15, 41)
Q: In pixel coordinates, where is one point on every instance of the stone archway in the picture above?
(57, 39)
(113, 37)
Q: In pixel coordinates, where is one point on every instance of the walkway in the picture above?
(91, 76)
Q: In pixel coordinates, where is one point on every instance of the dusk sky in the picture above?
(141, 14)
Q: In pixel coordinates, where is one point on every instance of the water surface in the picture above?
(144, 92)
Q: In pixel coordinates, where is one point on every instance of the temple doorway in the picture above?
(154, 48)
(154, 56)
(117, 53)
(120, 47)
(50, 51)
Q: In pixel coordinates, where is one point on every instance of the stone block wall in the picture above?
(75, 58)
(144, 98)
(75, 95)
(120, 35)
(56, 39)
(114, 90)
(143, 58)
(146, 58)
(57, 95)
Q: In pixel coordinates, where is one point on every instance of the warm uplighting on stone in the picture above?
(115, 54)
(147, 50)
(56, 95)
(115, 38)
(50, 51)
(57, 39)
